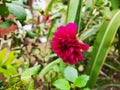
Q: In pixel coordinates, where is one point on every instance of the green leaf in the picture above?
(2, 55)
(12, 70)
(3, 10)
(62, 84)
(74, 12)
(5, 72)
(17, 63)
(17, 10)
(62, 68)
(88, 33)
(30, 86)
(70, 73)
(115, 4)
(81, 81)
(104, 38)
(5, 24)
(31, 71)
(10, 58)
(78, 15)
(12, 80)
(99, 2)
(31, 34)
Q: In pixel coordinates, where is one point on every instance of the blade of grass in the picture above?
(105, 37)
(109, 85)
(111, 67)
(50, 30)
(48, 9)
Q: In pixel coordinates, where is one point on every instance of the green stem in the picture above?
(93, 4)
(48, 9)
(109, 85)
(49, 66)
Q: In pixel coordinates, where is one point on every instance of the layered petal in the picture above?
(66, 45)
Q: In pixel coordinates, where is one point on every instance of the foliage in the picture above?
(27, 61)
(8, 64)
(107, 31)
(71, 75)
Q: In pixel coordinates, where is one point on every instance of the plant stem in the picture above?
(93, 4)
(118, 44)
(49, 66)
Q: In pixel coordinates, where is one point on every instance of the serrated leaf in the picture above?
(13, 80)
(5, 24)
(10, 58)
(3, 10)
(62, 84)
(2, 55)
(81, 81)
(30, 86)
(17, 10)
(31, 71)
(12, 70)
(5, 72)
(70, 73)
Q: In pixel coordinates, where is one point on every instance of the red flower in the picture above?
(66, 45)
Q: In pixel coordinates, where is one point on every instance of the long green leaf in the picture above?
(74, 12)
(105, 36)
(78, 15)
(115, 4)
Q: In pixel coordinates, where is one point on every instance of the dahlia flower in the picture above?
(66, 45)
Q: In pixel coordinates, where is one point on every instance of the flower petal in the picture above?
(72, 28)
(84, 47)
(66, 45)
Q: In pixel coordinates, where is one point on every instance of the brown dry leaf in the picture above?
(3, 79)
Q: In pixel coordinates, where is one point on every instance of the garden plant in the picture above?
(59, 44)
